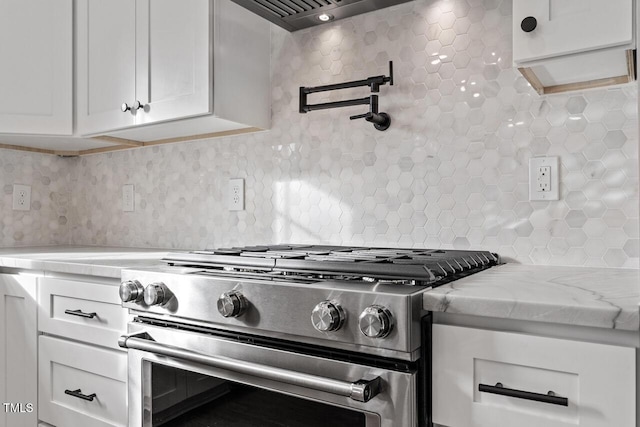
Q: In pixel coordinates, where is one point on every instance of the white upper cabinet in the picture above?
(173, 75)
(561, 45)
(569, 26)
(143, 62)
(36, 80)
(106, 55)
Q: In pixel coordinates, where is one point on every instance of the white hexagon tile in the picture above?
(46, 223)
(451, 172)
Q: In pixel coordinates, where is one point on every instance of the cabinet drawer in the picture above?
(477, 372)
(67, 367)
(83, 311)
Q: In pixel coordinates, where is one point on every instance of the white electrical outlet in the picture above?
(544, 178)
(236, 194)
(21, 197)
(128, 198)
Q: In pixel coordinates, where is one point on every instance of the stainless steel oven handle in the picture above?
(362, 390)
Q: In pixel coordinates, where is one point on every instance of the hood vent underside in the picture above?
(293, 15)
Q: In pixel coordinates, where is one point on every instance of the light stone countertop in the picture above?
(584, 296)
(85, 260)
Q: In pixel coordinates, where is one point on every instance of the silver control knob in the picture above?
(327, 316)
(156, 294)
(131, 290)
(232, 304)
(376, 321)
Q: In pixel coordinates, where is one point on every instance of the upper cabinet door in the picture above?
(106, 61)
(158, 57)
(569, 26)
(174, 69)
(36, 47)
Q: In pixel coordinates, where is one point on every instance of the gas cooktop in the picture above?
(422, 267)
(362, 299)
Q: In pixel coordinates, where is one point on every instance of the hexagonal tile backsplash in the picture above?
(47, 222)
(451, 171)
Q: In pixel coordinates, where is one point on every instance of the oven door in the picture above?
(179, 378)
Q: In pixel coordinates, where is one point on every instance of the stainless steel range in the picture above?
(286, 335)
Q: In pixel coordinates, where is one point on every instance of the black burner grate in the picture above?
(430, 267)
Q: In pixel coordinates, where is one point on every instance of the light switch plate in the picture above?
(128, 198)
(21, 197)
(544, 178)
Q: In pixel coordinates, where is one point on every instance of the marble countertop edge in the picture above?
(582, 296)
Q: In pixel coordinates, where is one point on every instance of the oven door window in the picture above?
(181, 398)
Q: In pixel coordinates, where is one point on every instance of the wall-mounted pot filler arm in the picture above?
(381, 121)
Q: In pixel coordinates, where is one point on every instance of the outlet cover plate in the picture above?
(128, 198)
(236, 194)
(551, 183)
(21, 197)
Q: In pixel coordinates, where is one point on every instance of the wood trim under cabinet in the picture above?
(204, 136)
(588, 84)
(531, 77)
(130, 143)
(125, 144)
(533, 80)
(119, 141)
(39, 150)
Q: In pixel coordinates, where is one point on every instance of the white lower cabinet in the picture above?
(484, 378)
(80, 310)
(82, 378)
(81, 385)
(18, 351)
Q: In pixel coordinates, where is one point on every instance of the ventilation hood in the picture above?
(293, 15)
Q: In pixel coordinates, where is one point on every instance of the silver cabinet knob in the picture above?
(327, 316)
(232, 304)
(156, 294)
(376, 321)
(131, 290)
(126, 107)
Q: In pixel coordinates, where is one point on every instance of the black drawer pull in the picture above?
(550, 397)
(79, 313)
(78, 393)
